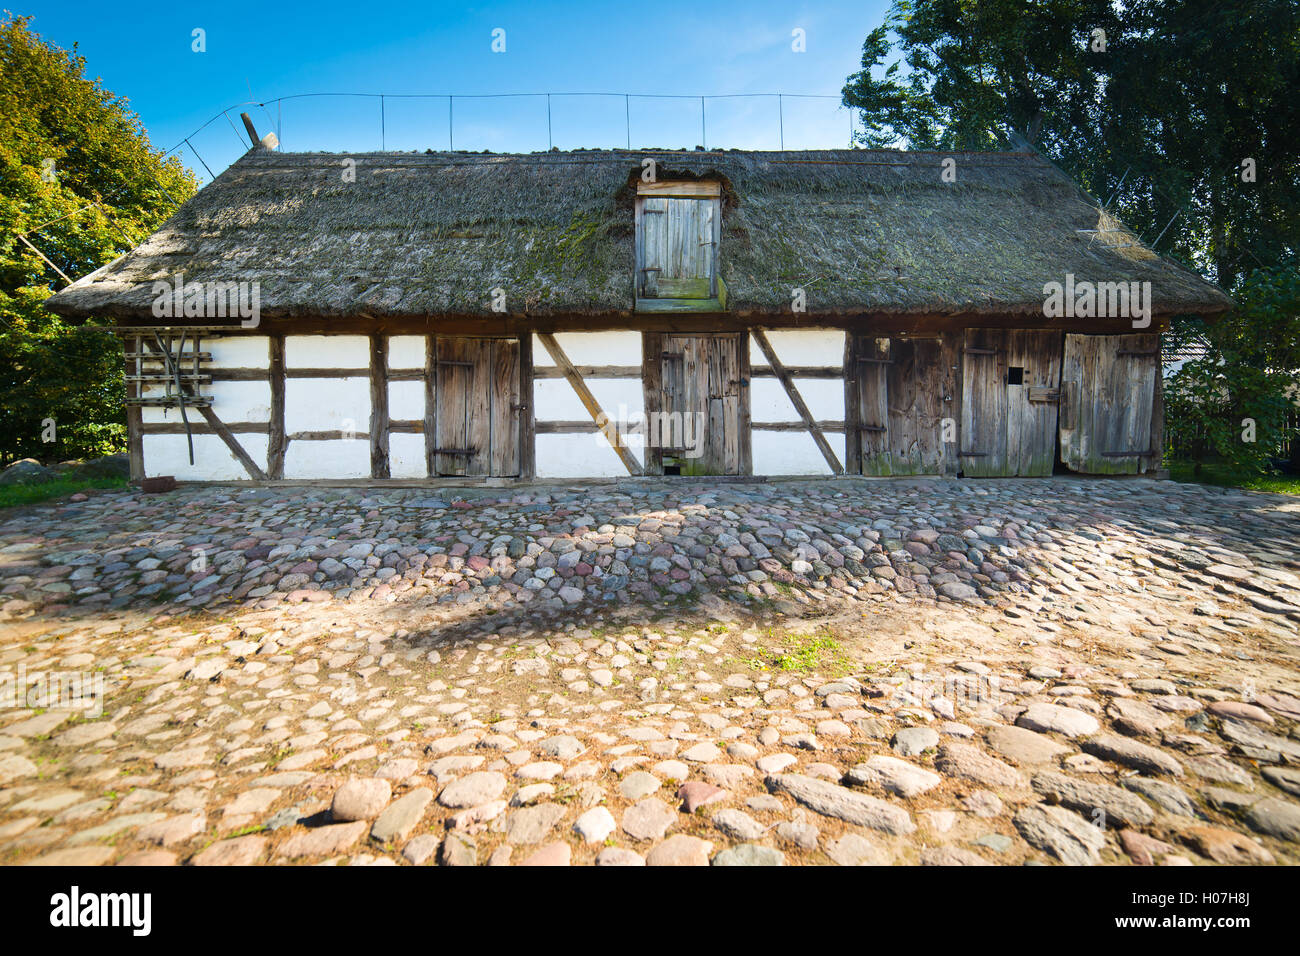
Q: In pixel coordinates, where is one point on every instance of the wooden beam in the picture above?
(584, 395)
(379, 406)
(797, 400)
(652, 379)
(198, 428)
(527, 414)
(430, 403)
(232, 443)
(134, 417)
(591, 371)
(275, 445)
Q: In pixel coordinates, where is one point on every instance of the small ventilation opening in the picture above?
(1015, 375)
(672, 469)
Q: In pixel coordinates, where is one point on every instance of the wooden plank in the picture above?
(588, 400)
(505, 414)
(804, 371)
(744, 432)
(952, 390)
(201, 428)
(134, 414)
(871, 401)
(590, 371)
(480, 407)
(454, 381)
(852, 434)
(1032, 426)
(984, 405)
(800, 406)
(405, 427)
(327, 372)
(914, 394)
(652, 390)
(275, 446)
(527, 414)
(379, 406)
(430, 404)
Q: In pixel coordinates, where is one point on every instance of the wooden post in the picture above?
(275, 446)
(527, 414)
(430, 403)
(652, 373)
(852, 415)
(134, 413)
(378, 406)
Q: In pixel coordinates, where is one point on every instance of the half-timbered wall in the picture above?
(982, 401)
(569, 445)
(165, 448)
(782, 442)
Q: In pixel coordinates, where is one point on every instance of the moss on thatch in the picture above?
(429, 234)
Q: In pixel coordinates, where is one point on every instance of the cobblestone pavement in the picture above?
(826, 672)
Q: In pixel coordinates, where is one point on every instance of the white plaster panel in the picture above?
(326, 351)
(554, 399)
(338, 458)
(406, 456)
(770, 403)
(406, 401)
(213, 461)
(243, 351)
(231, 402)
(405, 351)
(802, 347)
(793, 453)
(327, 404)
(585, 455)
(593, 348)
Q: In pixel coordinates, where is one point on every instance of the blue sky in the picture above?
(260, 51)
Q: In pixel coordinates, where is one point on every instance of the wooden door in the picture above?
(1110, 391)
(703, 404)
(1010, 386)
(895, 388)
(678, 246)
(477, 418)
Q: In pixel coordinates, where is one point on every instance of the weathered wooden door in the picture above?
(679, 240)
(476, 409)
(1110, 395)
(703, 404)
(896, 387)
(1010, 386)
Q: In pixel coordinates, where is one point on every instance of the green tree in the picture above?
(81, 182)
(1180, 114)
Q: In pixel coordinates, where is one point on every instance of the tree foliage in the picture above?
(1180, 115)
(80, 179)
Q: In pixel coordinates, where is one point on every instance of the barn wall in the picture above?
(327, 395)
(794, 452)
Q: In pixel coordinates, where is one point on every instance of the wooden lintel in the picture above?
(774, 361)
(588, 400)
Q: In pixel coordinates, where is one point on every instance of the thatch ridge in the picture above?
(862, 231)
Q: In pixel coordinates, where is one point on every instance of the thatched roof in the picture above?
(863, 232)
